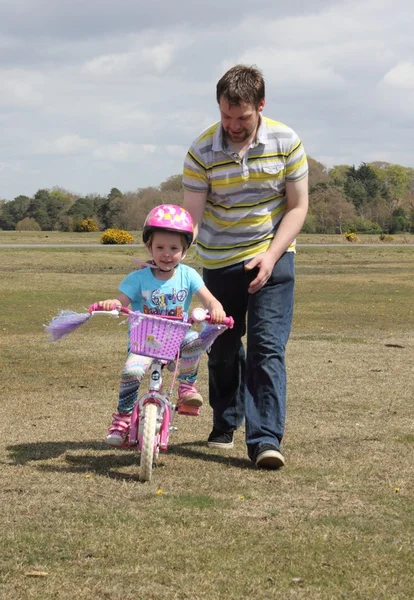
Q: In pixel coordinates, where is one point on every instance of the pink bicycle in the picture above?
(158, 337)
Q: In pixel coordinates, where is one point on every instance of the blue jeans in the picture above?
(251, 384)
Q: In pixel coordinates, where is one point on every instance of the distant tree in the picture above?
(110, 209)
(362, 225)
(114, 210)
(330, 209)
(42, 217)
(369, 179)
(66, 223)
(28, 224)
(131, 218)
(172, 184)
(377, 211)
(83, 208)
(114, 193)
(374, 196)
(355, 191)
(338, 174)
(14, 211)
(136, 206)
(67, 195)
(318, 173)
(310, 223)
(38, 209)
(172, 197)
(400, 221)
(20, 206)
(396, 180)
(362, 186)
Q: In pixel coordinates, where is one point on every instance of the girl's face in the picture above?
(166, 249)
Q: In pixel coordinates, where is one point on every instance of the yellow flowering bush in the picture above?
(116, 236)
(89, 225)
(351, 237)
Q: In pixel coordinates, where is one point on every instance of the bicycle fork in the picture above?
(154, 396)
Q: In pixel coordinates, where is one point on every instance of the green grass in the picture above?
(336, 522)
(59, 237)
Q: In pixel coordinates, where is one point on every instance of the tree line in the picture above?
(375, 197)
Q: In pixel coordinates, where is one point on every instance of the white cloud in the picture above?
(142, 57)
(20, 88)
(294, 68)
(64, 145)
(120, 117)
(396, 95)
(177, 151)
(122, 152)
(92, 92)
(401, 76)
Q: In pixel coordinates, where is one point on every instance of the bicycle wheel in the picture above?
(148, 436)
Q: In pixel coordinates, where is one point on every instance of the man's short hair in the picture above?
(242, 84)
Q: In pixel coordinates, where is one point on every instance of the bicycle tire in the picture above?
(148, 436)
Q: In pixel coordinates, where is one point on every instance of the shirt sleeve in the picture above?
(195, 172)
(131, 285)
(296, 161)
(196, 281)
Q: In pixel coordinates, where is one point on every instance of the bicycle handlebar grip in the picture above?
(228, 321)
(94, 307)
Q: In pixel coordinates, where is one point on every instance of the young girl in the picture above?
(166, 288)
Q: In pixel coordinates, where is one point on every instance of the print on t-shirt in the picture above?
(159, 303)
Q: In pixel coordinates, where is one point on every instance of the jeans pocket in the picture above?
(284, 269)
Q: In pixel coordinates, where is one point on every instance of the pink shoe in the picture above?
(188, 394)
(189, 400)
(119, 430)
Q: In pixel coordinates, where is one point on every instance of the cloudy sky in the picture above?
(96, 94)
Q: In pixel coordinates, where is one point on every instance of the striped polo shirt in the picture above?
(246, 196)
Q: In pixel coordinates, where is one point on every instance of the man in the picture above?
(245, 185)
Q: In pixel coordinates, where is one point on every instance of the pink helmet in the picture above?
(169, 217)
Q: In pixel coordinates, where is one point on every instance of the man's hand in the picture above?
(265, 263)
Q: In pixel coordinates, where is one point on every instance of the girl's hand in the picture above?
(110, 304)
(217, 313)
(211, 303)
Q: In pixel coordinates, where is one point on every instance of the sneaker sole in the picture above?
(191, 401)
(116, 443)
(222, 445)
(270, 459)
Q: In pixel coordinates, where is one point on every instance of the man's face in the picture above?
(239, 122)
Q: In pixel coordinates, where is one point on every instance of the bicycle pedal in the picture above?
(187, 409)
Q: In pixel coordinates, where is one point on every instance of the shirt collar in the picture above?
(218, 138)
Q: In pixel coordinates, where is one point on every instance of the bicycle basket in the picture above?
(156, 337)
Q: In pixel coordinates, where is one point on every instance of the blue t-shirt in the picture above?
(155, 297)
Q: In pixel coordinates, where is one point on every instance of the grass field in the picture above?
(336, 522)
(58, 237)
